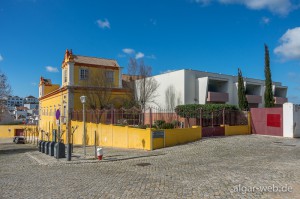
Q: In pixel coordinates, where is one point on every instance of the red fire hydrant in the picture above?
(99, 153)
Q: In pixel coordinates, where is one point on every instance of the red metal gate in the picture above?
(213, 131)
(267, 121)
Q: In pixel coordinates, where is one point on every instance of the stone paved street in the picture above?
(210, 168)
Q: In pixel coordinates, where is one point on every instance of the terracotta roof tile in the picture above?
(95, 61)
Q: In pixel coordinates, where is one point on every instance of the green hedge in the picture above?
(161, 124)
(192, 110)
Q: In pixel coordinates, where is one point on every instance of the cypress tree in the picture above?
(269, 98)
(243, 103)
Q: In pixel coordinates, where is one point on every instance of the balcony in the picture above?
(217, 97)
(280, 100)
(254, 99)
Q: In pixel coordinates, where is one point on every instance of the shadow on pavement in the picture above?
(129, 158)
(10, 150)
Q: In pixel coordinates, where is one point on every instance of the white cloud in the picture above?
(290, 45)
(51, 69)
(203, 2)
(1, 58)
(34, 84)
(151, 56)
(128, 50)
(281, 7)
(265, 20)
(139, 55)
(103, 23)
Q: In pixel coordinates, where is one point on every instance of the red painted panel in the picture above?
(273, 120)
(259, 121)
(19, 132)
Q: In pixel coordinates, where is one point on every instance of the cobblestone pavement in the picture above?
(209, 168)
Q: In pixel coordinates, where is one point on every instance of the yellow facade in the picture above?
(180, 136)
(9, 131)
(158, 143)
(132, 138)
(96, 78)
(112, 136)
(94, 73)
(51, 88)
(237, 130)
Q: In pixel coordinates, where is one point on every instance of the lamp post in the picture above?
(83, 101)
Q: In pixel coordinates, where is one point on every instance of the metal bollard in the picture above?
(99, 153)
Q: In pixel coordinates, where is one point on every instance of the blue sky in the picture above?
(208, 35)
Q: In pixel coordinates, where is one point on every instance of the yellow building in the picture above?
(97, 78)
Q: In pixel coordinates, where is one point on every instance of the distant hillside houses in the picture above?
(13, 101)
(21, 110)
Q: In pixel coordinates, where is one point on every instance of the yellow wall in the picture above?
(116, 98)
(180, 136)
(47, 110)
(236, 130)
(8, 131)
(78, 133)
(113, 136)
(135, 138)
(49, 89)
(158, 143)
(47, 115)
(94, 73)
(139, 138)
(120, 136)
(48, 107)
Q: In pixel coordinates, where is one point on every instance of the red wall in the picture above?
(267, 121)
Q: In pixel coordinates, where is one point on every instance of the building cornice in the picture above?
(62, 89)
(120, 90)
(96, 66)
(99, 88)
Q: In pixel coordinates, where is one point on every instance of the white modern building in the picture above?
(13, 101)
(31, 100)
(197, 87)
(32, 106)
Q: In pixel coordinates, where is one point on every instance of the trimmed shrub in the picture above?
(167, 126)
(158, 123)
(192, 110)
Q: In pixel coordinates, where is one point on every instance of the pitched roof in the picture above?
(30, 96)
(22, 108)
(95, 61)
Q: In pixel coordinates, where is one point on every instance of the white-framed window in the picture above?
(83, 74)
(109, 75)
(65, 75)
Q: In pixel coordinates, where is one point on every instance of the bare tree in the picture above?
(179, 101)
(5, 91)
(145, 86)
(98, 90)
(170, 97)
